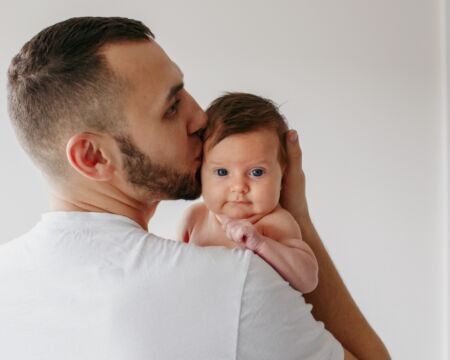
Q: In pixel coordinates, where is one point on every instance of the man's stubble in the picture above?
(156, 179)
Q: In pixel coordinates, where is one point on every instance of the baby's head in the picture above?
(244, 156)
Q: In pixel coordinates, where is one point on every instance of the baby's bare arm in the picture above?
(295, 263)
(285, 250)
(277, 239)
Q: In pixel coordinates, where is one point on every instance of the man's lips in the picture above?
(199, 158)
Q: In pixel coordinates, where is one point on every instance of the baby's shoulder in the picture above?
(279, 223)
(192, 218)
(195, 212)
(278, 215)
(197, 208)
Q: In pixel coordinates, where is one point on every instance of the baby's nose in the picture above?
(239, 186)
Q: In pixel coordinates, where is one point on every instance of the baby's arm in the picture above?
(281, 245)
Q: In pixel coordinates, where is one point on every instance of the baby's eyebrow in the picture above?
(262, 163)
(214, 163)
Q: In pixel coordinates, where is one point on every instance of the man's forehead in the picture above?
(138, 57)
(146, 68)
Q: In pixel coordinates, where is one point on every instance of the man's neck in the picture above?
(90, 200)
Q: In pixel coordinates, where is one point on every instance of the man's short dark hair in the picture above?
(238, 113)
(60, 84)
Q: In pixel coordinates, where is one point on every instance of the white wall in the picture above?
(362, 81)
(445, 51)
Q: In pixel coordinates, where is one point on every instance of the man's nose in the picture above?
(199, 119)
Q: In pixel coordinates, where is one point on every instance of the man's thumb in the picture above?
(293, 147)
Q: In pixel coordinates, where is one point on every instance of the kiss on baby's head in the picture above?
(239, 113)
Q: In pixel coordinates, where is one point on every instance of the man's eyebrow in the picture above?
(174, 90)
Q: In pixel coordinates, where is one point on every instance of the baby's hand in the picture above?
(243, 233)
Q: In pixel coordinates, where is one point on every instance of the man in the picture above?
(103, 112)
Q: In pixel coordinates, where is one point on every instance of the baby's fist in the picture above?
(243, 233)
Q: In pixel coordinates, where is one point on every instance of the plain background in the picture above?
(364, 83)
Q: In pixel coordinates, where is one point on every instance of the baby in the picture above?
(243, 163)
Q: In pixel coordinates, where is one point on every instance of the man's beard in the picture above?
(155, 179)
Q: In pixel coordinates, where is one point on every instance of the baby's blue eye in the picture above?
(222, 172)
(257, 172)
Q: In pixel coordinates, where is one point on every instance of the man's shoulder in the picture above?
(10, 250)
(261, 277)
(275, 320)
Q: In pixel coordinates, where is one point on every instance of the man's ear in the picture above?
(88, 154)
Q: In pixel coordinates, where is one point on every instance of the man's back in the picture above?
(97, 286)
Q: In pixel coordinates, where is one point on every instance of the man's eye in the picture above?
(257, 172)
(173, 109)
(222, 172)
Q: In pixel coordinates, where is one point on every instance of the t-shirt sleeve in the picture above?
(276, 322)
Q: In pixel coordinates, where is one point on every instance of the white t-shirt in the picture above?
(97, 286)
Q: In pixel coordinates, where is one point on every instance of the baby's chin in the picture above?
(252, 217)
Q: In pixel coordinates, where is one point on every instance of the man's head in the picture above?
(99, 96)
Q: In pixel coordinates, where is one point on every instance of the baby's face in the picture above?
(241, 175)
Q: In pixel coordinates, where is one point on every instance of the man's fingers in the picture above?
(293, 197)
(293, 148)
(294, 161)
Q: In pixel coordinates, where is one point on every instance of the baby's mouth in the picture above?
(239, 202)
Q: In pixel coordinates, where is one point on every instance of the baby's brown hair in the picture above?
(238, 113)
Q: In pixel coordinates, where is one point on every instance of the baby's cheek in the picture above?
(213, 200)
(268, 200)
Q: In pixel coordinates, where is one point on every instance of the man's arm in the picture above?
(332, 301)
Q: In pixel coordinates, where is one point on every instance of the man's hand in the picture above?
(293, 197)
(347, 324)
(243, 233)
